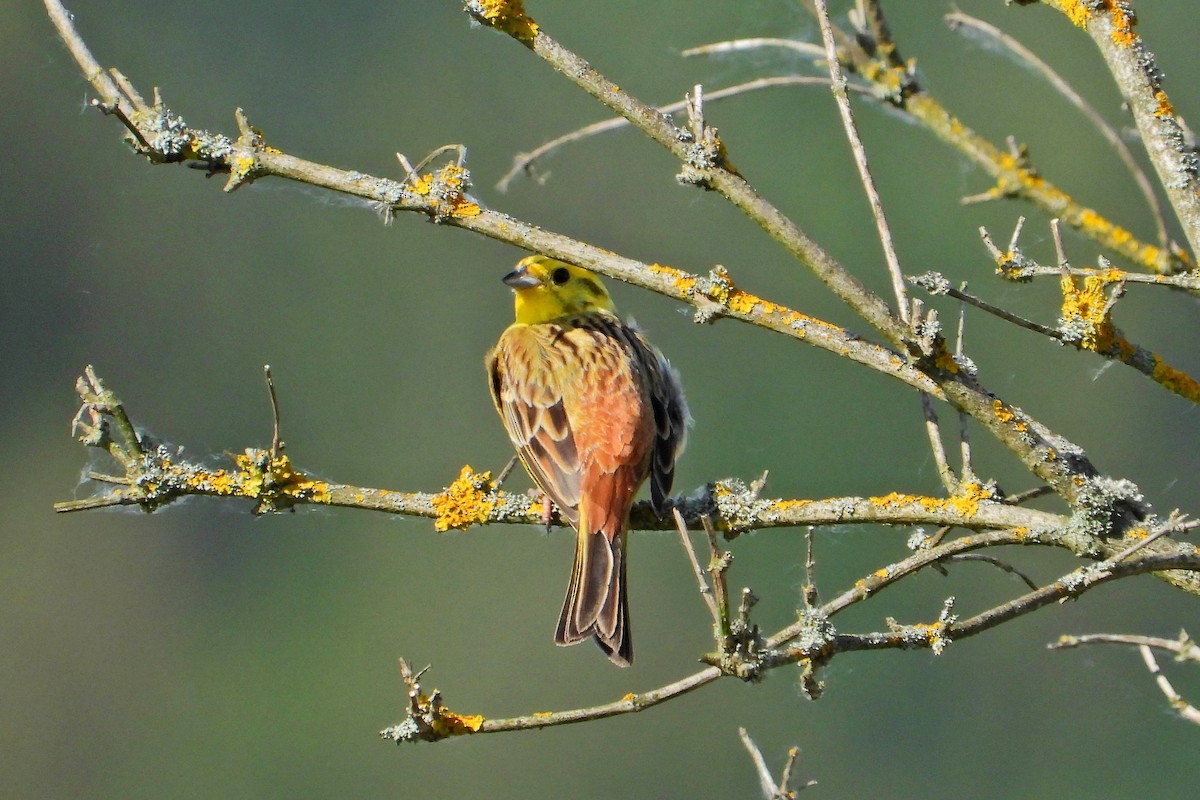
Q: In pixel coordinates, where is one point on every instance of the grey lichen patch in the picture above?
(932, 282)
(211, 146)
(738, 506)
(1104, 507)
(166, 132)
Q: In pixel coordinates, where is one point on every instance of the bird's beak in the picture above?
(521, 278)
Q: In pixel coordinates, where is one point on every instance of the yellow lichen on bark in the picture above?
(505, 15)
(684, 282)
(469, 500)
(1163, 107)
(447, 723)
(1123, 21)
(261, 475)
(447, 190)
(1178, 382)
(1086, 307)
(964, 504)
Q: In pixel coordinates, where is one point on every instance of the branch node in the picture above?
(704, 152)
(427, 719)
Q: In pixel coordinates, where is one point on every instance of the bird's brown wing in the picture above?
(527, 393)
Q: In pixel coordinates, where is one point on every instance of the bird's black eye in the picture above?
(560, 276)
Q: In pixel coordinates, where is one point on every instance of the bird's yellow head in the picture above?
(547, 290)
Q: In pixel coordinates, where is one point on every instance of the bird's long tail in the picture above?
(595, 604)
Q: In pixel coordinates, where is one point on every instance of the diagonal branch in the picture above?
(813, 640)
(1111, 26)
(706, 165)
(958, 19)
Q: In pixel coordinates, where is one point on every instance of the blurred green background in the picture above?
(200, 652)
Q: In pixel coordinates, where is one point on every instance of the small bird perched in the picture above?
(593, 409)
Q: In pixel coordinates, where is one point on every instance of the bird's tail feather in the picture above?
(596, 604)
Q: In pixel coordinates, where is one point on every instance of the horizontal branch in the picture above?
(154, 475)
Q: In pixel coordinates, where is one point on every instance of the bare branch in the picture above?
(526, 162)
(860, 161)
(706, 593)
(1183, 648)
(772, 790)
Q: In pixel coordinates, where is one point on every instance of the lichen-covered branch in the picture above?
(1111, 24)
(813, 641)
(1014, 173)
(155, 474)
(958, 20)
(443, 196)
(706, 164)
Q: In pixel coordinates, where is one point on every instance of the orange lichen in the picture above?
(1178, 382)
(542, 714)
(468, 501)
(943, 359)
(1087, 307)
(1123, 21)
(262, 475)
(1163, 107)
(446, 189)
(448, 723)
(740, 302)
(506, 15)
(1077, 11)
(970, 494)
(789, 505)
(965, 504)
(684, 282)
(629, 697)
(422, 184)
(1006, 415)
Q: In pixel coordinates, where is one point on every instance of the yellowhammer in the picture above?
(593, 410)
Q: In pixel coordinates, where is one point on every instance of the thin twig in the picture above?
(1182, 648)
(964, 431)
(697, 570)
(1027, 495)
(936, 446)
(1073, 584)
(766, 782)
(1163, 133)
(1185, 709)
(860, 161)
(524, 162)
(276, 441)
(995, 562)
(937, 284)
(755, 43)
